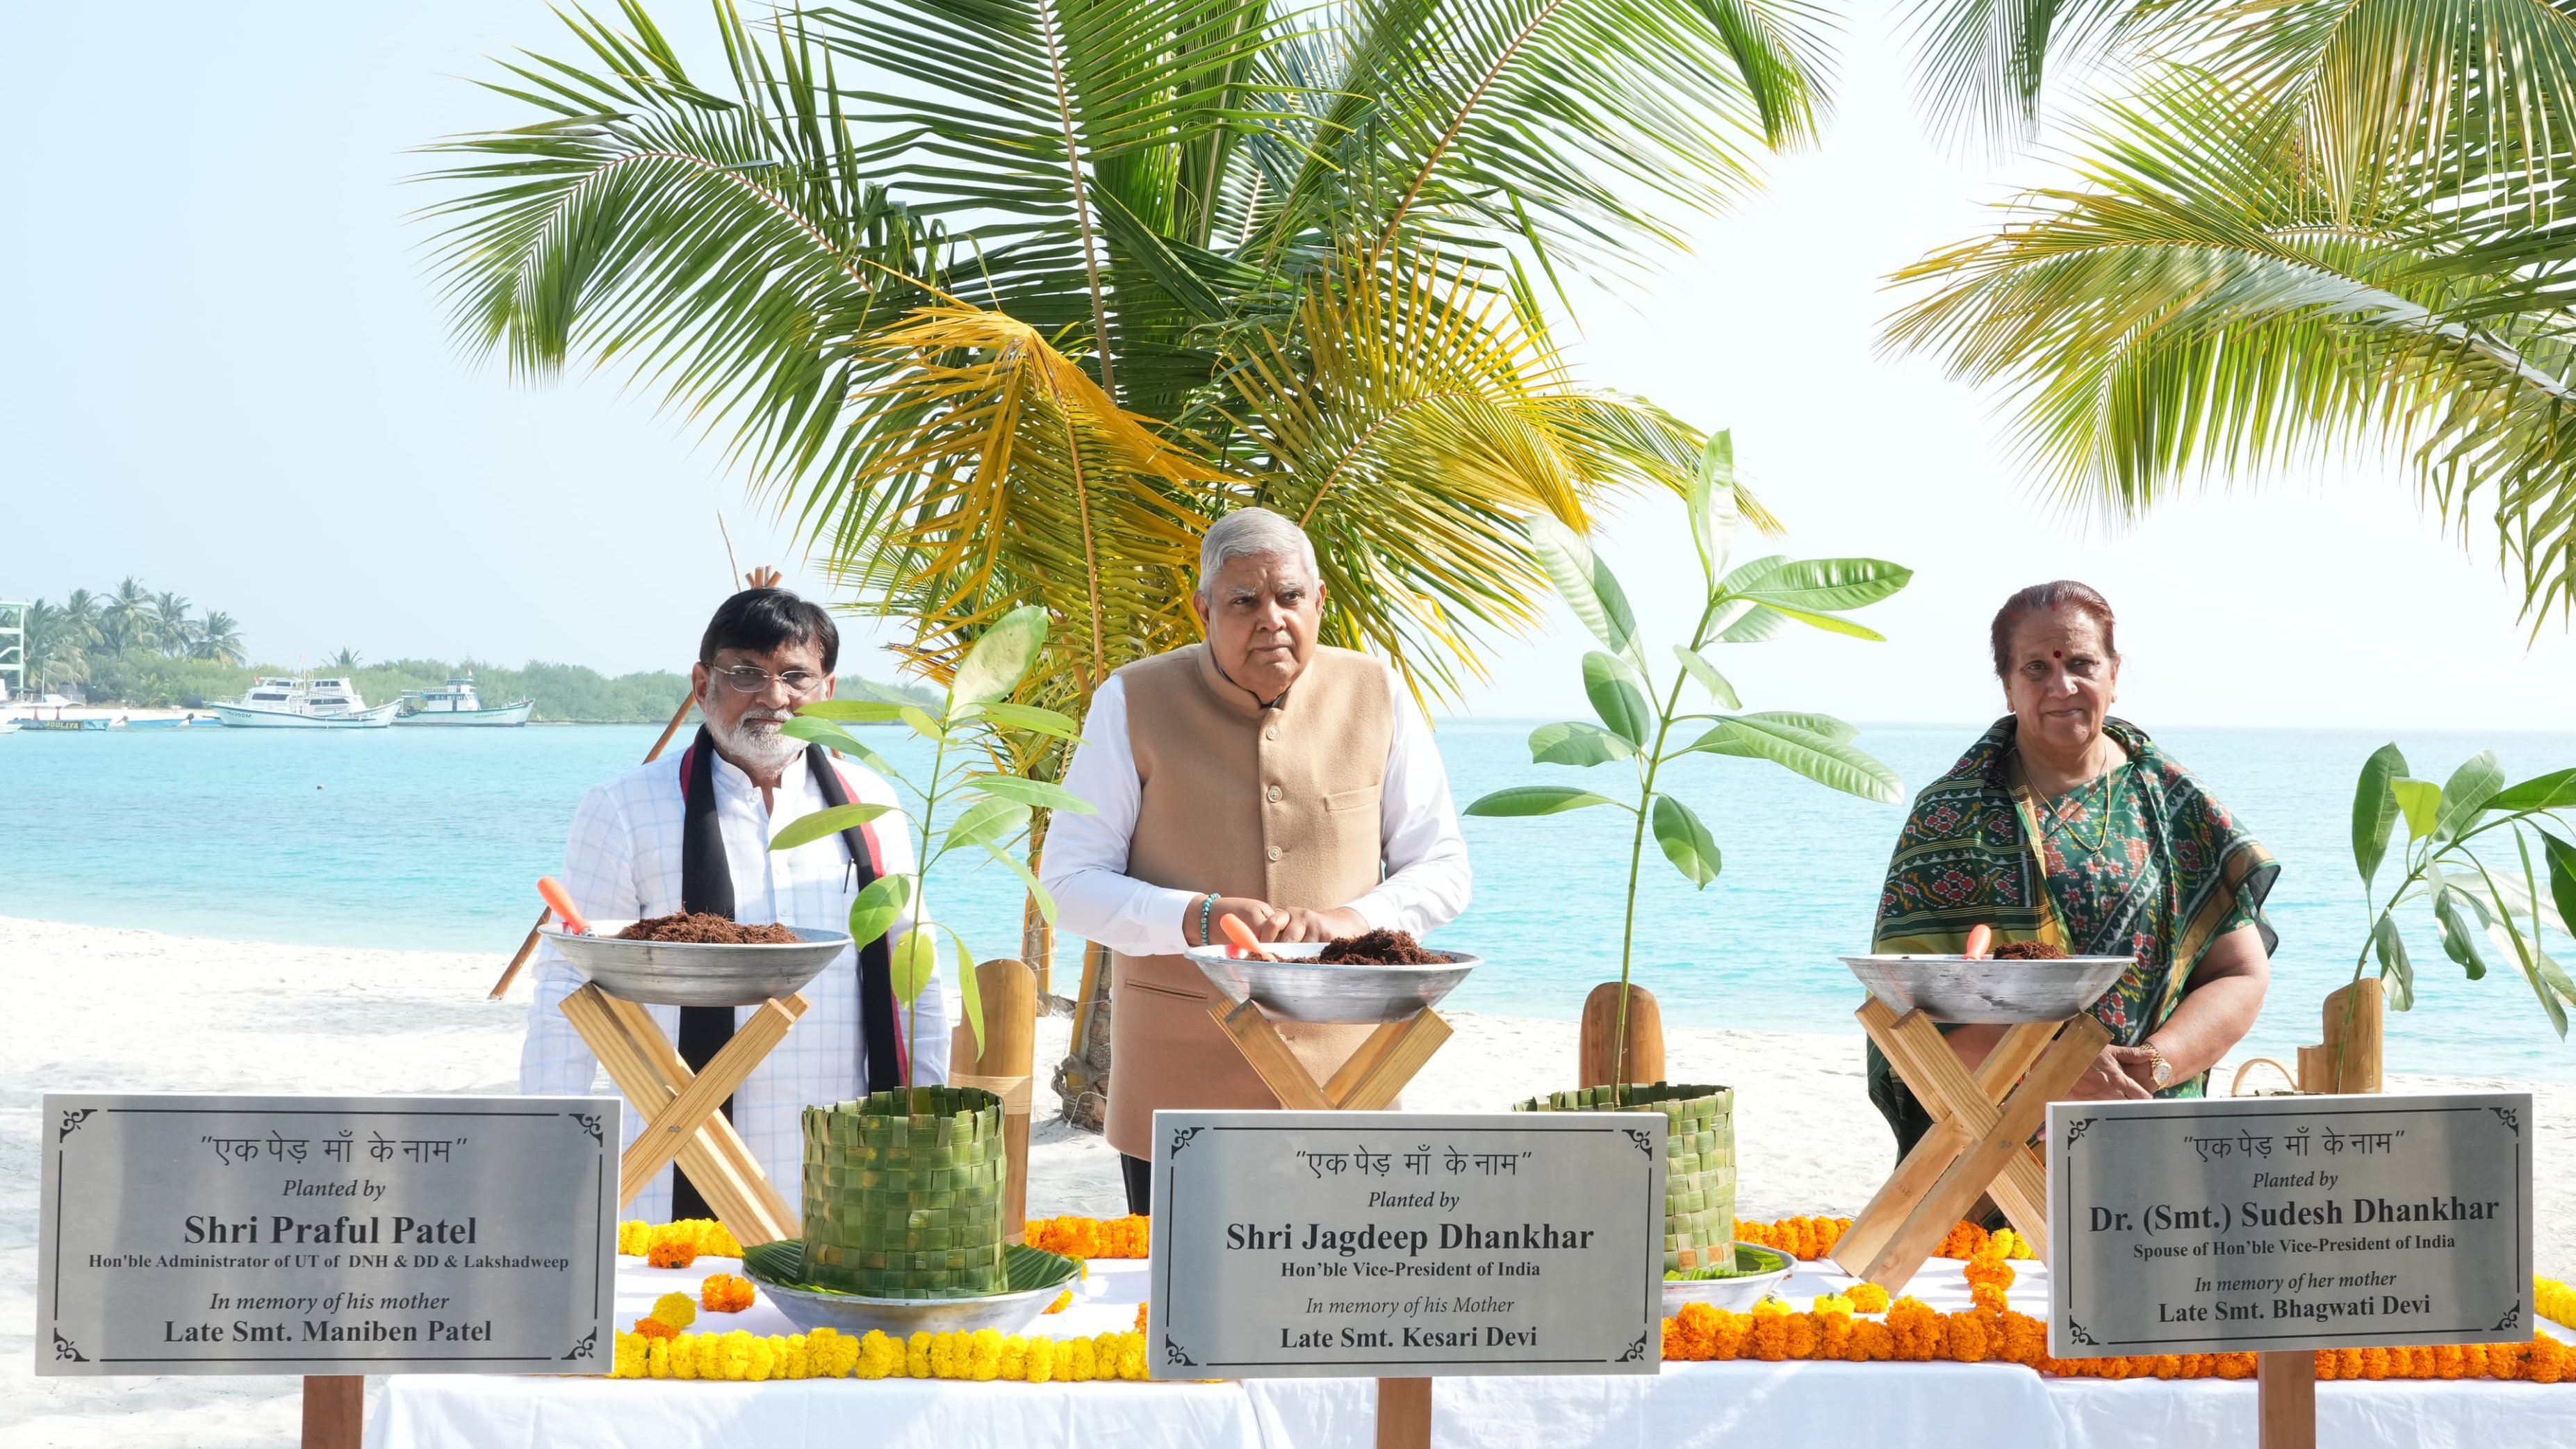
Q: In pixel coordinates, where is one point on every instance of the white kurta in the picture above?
(623, 862)
(1426, 880)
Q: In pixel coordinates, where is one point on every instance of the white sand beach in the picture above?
(115, 1010)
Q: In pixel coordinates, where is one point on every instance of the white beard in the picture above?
(754, 742)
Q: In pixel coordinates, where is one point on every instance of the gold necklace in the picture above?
(2057, 824)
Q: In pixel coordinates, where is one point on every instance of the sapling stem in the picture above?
(1654, 762)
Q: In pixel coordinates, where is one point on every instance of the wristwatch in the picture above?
(2161, 1074)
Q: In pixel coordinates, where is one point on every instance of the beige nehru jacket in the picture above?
(1278, 803)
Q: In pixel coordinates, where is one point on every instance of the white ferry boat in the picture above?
(458, 704)
(306, 704)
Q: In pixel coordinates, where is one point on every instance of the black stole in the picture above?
(706, 884)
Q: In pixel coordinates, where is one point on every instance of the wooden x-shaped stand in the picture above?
(1979, 1142)
(684, 1110)
(1373, 1076)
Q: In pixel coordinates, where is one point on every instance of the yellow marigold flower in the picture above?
(1041, 1360)
(1131, 1357)
(1867, 1298)
(984, 1355)
(1832, 1303)
(657, 1359)
(675, 1309)
(737, 1355)
(879, 1356)
(1079, 1356)
(916, 1356)
(1015, 1358)
(627, 1361)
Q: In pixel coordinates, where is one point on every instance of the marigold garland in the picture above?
(983, 1356)
(676, 1245)
(1808, 1239)
(2555, 1300)
(725, 1293)
(1913, 1331)
(1080, 1237)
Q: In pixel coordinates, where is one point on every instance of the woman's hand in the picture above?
(2110, 1078)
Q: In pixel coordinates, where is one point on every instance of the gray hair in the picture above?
(1252, 532)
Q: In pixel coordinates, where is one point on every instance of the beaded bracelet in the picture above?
(1207, 908)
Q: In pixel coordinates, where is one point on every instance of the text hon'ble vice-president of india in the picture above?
(1260, 774)
(693, 834)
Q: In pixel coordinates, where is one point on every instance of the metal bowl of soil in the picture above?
(1300, 988)
(1758, 1270)
(1982, 990)
(1036, 1277)
(697, 973)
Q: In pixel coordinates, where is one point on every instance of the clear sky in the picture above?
(228, 374)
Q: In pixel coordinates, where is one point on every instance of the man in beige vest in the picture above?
(1258, 775)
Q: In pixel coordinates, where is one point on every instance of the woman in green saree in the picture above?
(2070, 828)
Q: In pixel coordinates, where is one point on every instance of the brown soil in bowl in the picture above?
(2030, 951)
(707, 928)
(1378, 948)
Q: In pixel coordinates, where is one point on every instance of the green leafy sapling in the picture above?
(1644, 724)
(967, 729)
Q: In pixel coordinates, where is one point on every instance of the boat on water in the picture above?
(458, 704)
(305, 704)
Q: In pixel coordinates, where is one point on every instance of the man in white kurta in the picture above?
(623, 862)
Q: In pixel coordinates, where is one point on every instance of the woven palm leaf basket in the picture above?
(903, 1194)
(1699, 1161)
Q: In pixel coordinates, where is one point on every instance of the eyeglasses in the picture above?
(752, 679)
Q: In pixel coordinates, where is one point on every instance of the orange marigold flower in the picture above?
(1800, 1340)
(725, 1293)
(1872, 1342)
(1698, 1325)
(655, 1328)
(1140, 1318)
(1966, 1338)
(1063, 1301)
(1963, 1241)
(1732, 1331)
(671, 1253)
(2545, 1360)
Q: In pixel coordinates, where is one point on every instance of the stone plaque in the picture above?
(2276, 1223)
(1406, 1245)
(326, 1235)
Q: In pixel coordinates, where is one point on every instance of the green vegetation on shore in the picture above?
(564, 693)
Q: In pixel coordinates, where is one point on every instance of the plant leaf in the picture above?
(1697, 666)
(2465, 798)
(1001, 656)
(923, 725)
(1827, 725)
(1830, 623)
(1713, 510)
(2453, 907)
(2421, 803)
(1537, 800)
(1829, 585)
(1686, 842)
(2541, 792)
(1030, 717)
(832, 737)
(1611, 686)
(915, 959)
(2562, 876)
(970, 990)
(2394, 967)
(989, 819)
(1588, 586)
(830, 820)
(1577, 743)
(879, 904)
(1039, 894)
(855, 711)
(1825, 761)
(1042, 794)
(2374, 809)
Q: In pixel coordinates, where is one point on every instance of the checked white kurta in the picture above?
(623, 862)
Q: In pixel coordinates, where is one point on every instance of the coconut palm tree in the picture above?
(1006, 301)
(58, 640)
(344, 661)
(170, 626)
(125, 621)
(216, 638)
(2313, 227)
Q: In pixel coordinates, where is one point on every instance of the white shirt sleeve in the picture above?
(1084, 865)
(599, 871)
(1427, 880)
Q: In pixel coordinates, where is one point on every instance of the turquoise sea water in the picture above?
(434, 839)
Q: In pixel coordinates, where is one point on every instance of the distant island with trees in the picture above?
(129, 646)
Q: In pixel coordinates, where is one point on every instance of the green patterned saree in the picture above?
(2139, 863)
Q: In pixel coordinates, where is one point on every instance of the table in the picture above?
(1687, 1406)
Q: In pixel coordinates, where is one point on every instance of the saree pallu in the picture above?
(2142, 863)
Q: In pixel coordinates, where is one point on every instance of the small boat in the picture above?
(328, 703)
(70, 724)
(458, 704)
(8, 726)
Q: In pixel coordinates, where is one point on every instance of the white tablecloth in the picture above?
(1737, 1405)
